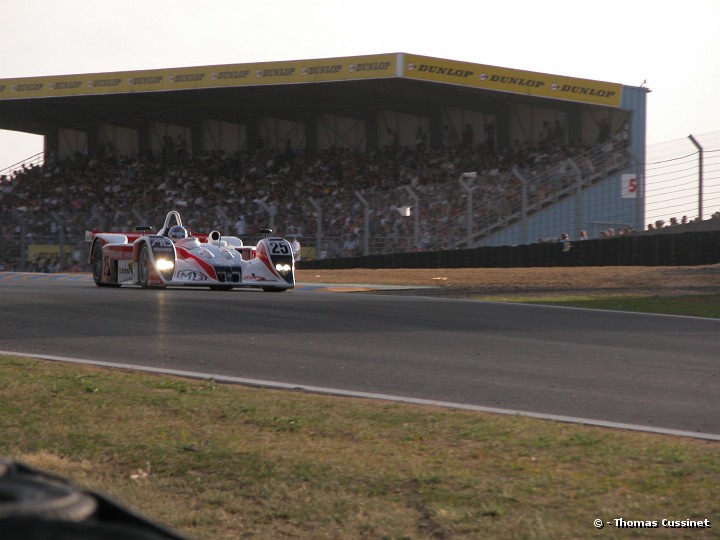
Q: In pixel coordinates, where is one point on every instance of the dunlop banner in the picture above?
(512, 80)
(292, 72)
(322, 70)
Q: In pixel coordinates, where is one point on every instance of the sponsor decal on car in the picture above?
(159, 243)
(125, 272)
(191, 275)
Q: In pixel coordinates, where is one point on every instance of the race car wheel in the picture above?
(144, 268)
(97, 266)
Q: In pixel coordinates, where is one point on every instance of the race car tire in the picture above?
(27, 494)
(144, 269)
(273, 289)
(97, 264)
(35, 505)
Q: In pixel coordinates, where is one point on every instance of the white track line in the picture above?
(369, 395)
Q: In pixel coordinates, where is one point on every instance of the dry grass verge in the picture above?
(228, 462)
(644, 280)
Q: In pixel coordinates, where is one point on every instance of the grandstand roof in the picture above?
(347, 86)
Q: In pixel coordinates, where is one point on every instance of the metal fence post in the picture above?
(700, 175)
(318, 223)
(61, 240)
(579, 214)
(366, 205)
(469, 212)
(523, 204)
(23, 246)
(416, 208)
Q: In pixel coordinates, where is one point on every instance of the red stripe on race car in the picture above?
(264, 257)
(209, 269)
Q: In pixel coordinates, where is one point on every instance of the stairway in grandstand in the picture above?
(547, 185)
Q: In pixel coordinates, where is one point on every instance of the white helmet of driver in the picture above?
(177, 232)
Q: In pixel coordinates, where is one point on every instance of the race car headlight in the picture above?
(164, 264)
(283, 268)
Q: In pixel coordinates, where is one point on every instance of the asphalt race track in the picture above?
(655, 372)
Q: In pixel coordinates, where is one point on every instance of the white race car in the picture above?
(173, 257)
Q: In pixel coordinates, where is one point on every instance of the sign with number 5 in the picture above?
(629, 186)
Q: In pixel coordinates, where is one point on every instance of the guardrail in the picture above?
(680, 249)
(670, 247)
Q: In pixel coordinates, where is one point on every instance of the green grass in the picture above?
(227, 462)
(701, 305)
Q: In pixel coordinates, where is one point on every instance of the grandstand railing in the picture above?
(462, 212)
(33, 161)
(539, 190)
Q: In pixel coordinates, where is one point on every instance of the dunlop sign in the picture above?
(395, 65)
(511, 80)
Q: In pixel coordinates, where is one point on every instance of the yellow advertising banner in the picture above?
(512, 80)
(256, 74)
(321, 70)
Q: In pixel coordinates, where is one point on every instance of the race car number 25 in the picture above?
(279, 248)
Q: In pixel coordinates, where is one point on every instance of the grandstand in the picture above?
(358, 155)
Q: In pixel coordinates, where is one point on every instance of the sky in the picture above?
(670, 47)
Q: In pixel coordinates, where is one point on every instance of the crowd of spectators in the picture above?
(674, 222)
(244, 192)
